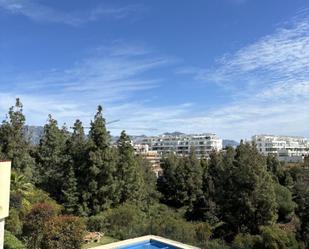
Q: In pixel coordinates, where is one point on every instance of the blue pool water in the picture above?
(150, 244)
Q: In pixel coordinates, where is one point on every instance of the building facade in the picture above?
(152, 156)
(203, 144)
(286, 148)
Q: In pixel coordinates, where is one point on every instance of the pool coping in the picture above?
(118, 244)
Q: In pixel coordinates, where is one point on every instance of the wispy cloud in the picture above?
(108, 76)
(45, 13)
(268, 80)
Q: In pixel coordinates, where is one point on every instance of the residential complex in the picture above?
(183, 144)
(286, 148)
(152, 156)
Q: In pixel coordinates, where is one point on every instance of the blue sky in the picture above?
(232, 67)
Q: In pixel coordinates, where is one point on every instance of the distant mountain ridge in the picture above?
(35, 133)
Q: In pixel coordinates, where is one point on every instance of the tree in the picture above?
(181, 183)
(63, 232)
(100, 168)
(34, 223)
(13, 144)
(51, 159)
(247, 199)
(69, 190)
(128, 173)
(19, 184)
(275, 168)
(285, 203)
(167, 183)
(301, 197)
(76, 169)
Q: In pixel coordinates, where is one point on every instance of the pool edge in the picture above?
(115, 245)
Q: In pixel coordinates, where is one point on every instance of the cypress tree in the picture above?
(77, 150)
(51, 159)
(128, 174)
(101, 185)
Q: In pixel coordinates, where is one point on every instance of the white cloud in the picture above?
(268, 81)
(44, 13)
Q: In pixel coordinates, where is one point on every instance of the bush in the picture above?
(247, 241)
(275, 238)
(123, 222)
(13, 222)
(34, 222)
(11, 242)
(285, 203)
(215, 244)
(63, 232)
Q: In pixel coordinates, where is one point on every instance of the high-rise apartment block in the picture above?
(286, 148)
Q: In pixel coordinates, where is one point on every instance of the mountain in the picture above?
(33, 133)
(175, 133)
(227, 142)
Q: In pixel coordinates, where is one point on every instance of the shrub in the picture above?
(11, 242)
(125, 221)
(275, 238)
(63, 232)
(34, 222)
(247, 241)
(13, 222)
(285, 203)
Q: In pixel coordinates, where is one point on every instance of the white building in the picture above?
(152, 156)
(286, 148)
(183, 144)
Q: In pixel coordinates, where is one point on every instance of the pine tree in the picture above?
(167, 183)
(101, 168)
(248, 200)
(51, 159)
(13, 143)
(128, 174)
(70, 195)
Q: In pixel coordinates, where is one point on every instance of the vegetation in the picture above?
(72, 182)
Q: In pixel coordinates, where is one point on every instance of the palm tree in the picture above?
(19, 184)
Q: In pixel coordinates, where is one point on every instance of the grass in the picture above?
(105, 240)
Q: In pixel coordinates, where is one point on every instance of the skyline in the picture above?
(159, 67)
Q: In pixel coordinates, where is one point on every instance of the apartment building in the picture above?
(183, 144)
(286, 148)
(153, 157)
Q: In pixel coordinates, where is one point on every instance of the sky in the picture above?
(231, 67)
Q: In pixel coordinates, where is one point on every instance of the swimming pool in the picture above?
(150, 244)
(147, 242)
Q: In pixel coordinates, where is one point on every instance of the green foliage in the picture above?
(63, 232)
(285, 203)
(181, 183)
(301, 193)
(76, 149)
(247, 199)
(20, 184)
(151, 194)
(275, 238)
(274, 167)
(13, 143)
(99, 191)
(13, 222)
(129, 175)
(11, 242)
(34, 223)
(51, 159)
(247, 241)
(215, 244)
